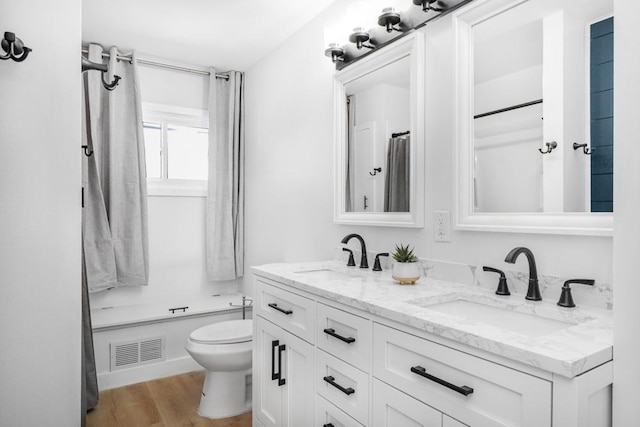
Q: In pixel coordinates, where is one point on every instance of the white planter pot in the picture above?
(406, 272)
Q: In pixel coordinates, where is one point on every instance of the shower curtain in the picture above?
(114, 218)
(225, 194)
(115, 236)
(349, 178)
(397, 178)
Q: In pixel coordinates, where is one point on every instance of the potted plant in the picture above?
(405, 268)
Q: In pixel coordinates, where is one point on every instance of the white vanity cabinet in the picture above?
(283, 363)
(345, 367)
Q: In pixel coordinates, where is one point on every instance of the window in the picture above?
(176, 147)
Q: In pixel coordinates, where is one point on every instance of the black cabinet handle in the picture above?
(327, 425)
(281, 310)
(281, 381)
(274, 376)
(331, 381)
(422, 372)
(332, 332)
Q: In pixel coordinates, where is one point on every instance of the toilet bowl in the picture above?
(224, 350)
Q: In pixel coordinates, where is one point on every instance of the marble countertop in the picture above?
(569, 351)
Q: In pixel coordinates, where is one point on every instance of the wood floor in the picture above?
(167, 402)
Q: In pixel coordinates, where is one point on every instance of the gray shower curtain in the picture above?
(225, 194)
(115, 236)
(114, 218)
(397, 178)
(349, 178)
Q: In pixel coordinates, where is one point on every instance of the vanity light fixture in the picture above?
(360, 37)
(335, 52)
(389, 19)
(14, 48)
(427, 5)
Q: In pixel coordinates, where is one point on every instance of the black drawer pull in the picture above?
(328, 425)
(281, 381)
(331, 381)
(332, 332)
(274, 345)
(422, 372)
(281, 310)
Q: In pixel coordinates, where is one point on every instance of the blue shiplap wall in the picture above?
(601, 88)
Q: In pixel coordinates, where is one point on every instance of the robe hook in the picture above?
(550, 147)
(87, 151)
(89, 65)
(375, 171)
(585, 150)
(14, 48)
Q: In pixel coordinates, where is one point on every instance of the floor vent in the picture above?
(128, 354)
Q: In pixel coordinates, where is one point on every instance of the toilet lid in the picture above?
(232, 331)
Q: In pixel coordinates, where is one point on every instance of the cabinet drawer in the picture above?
(392, 408)
(344, 335)
(440, 376)
(343, 385)
(290, 311)
(329, 415)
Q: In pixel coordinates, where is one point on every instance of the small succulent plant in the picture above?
(404, 254)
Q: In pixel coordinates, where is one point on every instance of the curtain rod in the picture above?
(162, 65)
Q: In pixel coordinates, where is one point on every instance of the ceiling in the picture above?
(226, 34)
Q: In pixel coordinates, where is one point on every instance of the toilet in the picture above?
(224, 350)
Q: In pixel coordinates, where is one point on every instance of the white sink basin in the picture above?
(326, 274)
(526, 324)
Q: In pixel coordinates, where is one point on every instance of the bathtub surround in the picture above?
(115, 235)
(225, 194)
(157, 333)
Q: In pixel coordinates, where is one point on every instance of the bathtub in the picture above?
(134, 343)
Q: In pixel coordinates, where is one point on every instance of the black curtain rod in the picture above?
(513, 107)
(395, 135)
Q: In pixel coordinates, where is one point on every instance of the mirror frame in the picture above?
(569, 223)
(411, 45)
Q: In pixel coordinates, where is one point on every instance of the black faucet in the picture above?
(566, 300)
(533, 292)
(363, 259)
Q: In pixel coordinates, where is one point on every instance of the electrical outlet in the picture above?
(442, 226)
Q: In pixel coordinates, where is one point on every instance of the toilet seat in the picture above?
(228, 332)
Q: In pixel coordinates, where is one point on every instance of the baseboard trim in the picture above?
(109, 380)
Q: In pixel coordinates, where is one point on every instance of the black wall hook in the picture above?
(14, 48)
(585, 150)
(87, 151)
(550, 147)
(89, 65)
(375, 171)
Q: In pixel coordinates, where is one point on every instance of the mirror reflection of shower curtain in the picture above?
(349, 178)
(396, 186)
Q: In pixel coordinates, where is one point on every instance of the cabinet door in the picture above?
(299, 389)
(392, 408)
(267, 393)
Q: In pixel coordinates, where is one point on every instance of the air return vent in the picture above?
(128, 354)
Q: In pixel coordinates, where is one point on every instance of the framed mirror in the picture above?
(379, 138)
(534, 116)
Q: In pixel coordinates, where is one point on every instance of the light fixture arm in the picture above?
(360, 37)
(427, 5)
(389, 19)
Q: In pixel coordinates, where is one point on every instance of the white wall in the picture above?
(40, 183)
(627, 213)
(177, 268)
(289, 167)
